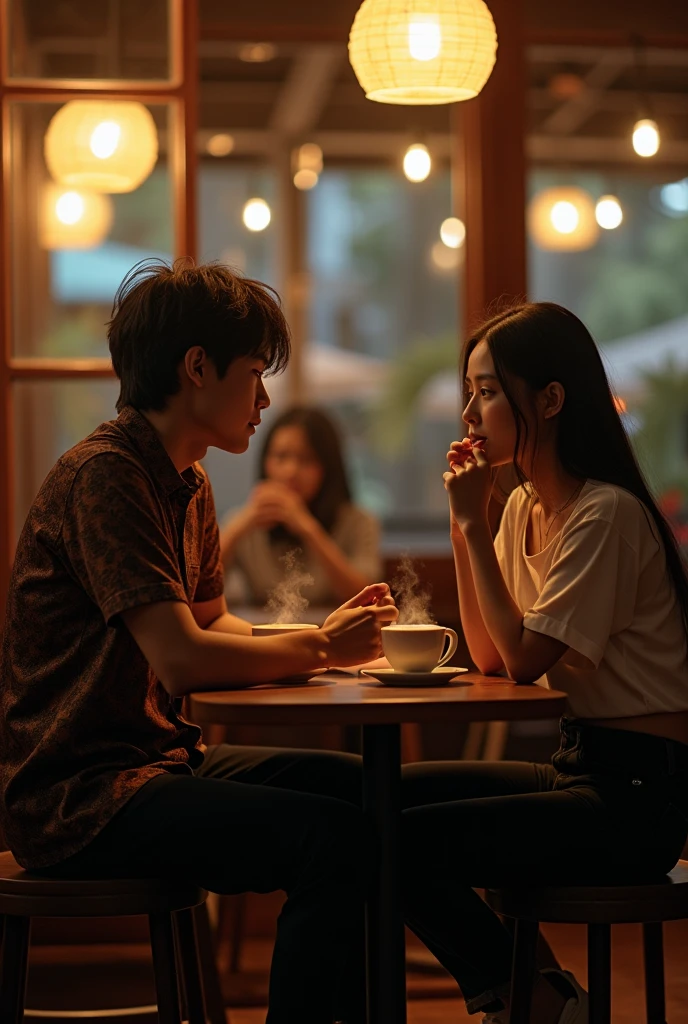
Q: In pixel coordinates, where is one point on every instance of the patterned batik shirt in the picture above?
(84, 721)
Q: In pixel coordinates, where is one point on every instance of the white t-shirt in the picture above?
(601, 586)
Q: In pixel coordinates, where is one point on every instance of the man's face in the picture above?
(229, 409)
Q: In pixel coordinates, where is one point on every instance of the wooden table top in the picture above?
(333, 699)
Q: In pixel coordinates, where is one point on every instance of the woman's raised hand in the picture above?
(468, 482)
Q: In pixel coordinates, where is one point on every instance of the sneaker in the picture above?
(576, 1009)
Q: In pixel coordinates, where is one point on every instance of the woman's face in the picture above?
(291, 461)
(487, 414)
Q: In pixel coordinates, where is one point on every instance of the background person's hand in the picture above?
(354, 628)
(273, 503)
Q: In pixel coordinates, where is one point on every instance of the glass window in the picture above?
(49, 418)
(72, 248)
(118, 39)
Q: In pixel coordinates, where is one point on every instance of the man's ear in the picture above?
(552, 399)
(194, 364)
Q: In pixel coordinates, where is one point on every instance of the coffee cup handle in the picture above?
(453, 644)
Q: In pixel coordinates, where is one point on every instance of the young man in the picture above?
(116, 611)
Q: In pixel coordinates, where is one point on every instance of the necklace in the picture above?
(557, 513)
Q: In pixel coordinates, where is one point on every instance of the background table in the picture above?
(336, 699)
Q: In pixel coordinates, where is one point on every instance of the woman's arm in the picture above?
(480, 646)
(491, 611)
(231, 533)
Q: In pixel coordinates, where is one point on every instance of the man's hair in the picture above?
(161, 311)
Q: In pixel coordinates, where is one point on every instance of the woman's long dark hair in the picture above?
(541, 342)
(323, 437)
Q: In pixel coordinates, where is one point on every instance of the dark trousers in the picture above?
(261, 820)
(612, 807)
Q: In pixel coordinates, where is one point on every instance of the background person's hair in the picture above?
(161, 311)
(541, 342)
(323, 437)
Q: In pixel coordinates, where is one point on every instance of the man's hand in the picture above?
(353, 629)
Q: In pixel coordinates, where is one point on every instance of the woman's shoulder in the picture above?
(617, 507)
(353, 517)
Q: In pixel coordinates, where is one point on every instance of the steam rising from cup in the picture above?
(286, 603)
(413, 601)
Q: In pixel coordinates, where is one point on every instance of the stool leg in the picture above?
(653, 951)
(214, 1000)
(164, 968)
(191, 975)
(523, 970)
(15, 954)
(600, 973)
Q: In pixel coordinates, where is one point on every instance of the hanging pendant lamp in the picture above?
(422, 52)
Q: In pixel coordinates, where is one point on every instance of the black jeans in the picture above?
(611, 808)
(259, 820)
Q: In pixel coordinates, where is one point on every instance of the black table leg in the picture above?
(384, 920)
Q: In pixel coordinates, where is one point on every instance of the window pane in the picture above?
(63, 282)
(49, 418)
(124, 39)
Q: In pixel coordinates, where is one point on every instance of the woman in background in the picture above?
(302, 500)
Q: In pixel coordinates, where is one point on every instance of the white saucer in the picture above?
(390, 677)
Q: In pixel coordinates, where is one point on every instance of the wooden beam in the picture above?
(489, 173)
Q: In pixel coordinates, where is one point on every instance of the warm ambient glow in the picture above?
(220, 144)
(417, 163)
(101, 145)
(422, 51)
(645, 137)
(307, 162)
(453, 232)
(608, 212)
(256, 215)
(563, 219)
(74, 220)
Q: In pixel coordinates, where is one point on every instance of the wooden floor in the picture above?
(569, 943)
(105, 975)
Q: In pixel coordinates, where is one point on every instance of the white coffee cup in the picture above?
(278, 628)
(417, 648)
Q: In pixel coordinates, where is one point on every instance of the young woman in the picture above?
(583, 590)
(303, 500)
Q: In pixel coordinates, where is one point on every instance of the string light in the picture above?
(608, 212)
(417, 162)
(256, 215)
(646, 137)
(453, 232)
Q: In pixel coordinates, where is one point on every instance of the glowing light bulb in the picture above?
(645, 137)
(220, 144)
(256, 215)
(453, 232)
(424, 36)
(417, 163)
(305, 179)
(105, 139)
(69, 208)
(608, 212)
(564, 217)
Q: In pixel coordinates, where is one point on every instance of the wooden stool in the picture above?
(168, 904)
(599, 907)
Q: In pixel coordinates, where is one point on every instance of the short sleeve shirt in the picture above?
(84, 722)
(601, 586)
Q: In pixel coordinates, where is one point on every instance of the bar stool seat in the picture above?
(168, 903)
(650, 904)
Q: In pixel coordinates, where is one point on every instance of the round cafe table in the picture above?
(338, 699)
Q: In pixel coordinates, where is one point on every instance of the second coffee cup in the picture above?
(418, 648)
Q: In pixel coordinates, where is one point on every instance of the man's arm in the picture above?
(187, 658)
(214, 616)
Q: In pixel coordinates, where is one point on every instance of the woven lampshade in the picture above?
(422, 52)
(563, 219)
(74, 220)
(101, 145)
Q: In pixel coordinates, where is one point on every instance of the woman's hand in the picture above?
(468, 483)
(273, 503)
